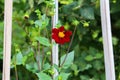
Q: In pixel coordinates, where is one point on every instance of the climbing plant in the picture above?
(32, 35)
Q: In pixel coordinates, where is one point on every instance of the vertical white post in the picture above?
(7, 39)
(107, 40)
(55, 47)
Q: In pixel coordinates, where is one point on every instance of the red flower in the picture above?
(60, 35)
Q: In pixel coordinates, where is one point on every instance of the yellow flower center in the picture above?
(61, 34)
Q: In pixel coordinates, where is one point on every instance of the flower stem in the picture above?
(16, 73)
(35, 57)
(59, 55)
(38, 60)
(69, 46)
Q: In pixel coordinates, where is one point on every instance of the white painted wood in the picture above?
(7, 39)
(55, 46)
(107, 40)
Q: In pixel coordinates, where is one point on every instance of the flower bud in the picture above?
(86, 24)
(75, 22)
(26, 16)
(59, 77)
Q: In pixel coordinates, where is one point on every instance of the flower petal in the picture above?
(56, 38)
(54, 30)
(61, 29)
(68, 33)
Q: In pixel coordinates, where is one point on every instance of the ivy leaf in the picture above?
(68, 61)
(87, 12)
(43, 76)
(44, 41)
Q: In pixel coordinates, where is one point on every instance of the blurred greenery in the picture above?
(31, 39)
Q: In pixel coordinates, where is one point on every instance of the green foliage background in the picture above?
(32, 22)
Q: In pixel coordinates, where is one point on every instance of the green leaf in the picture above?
(97, 65)
(87, 12)
(24, 1)
(115, 40)
(19, 58)
(98, 55)
(46, 66)
(24, 60)
(114, 9)
(88, 66)
(44, 41)
(43, 76)
(84, 77)
(32, 67)
(1, 26)
(31, 3)
(74, 67)
(80, 3)
(84, 66)
(95, 34)
(43, 22)
(65, 1)
(89, 58)
(40, 1)
(1, 53)
(69, 59)
(38, 23)
(62, 76)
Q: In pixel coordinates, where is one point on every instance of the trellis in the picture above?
(106, 32)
